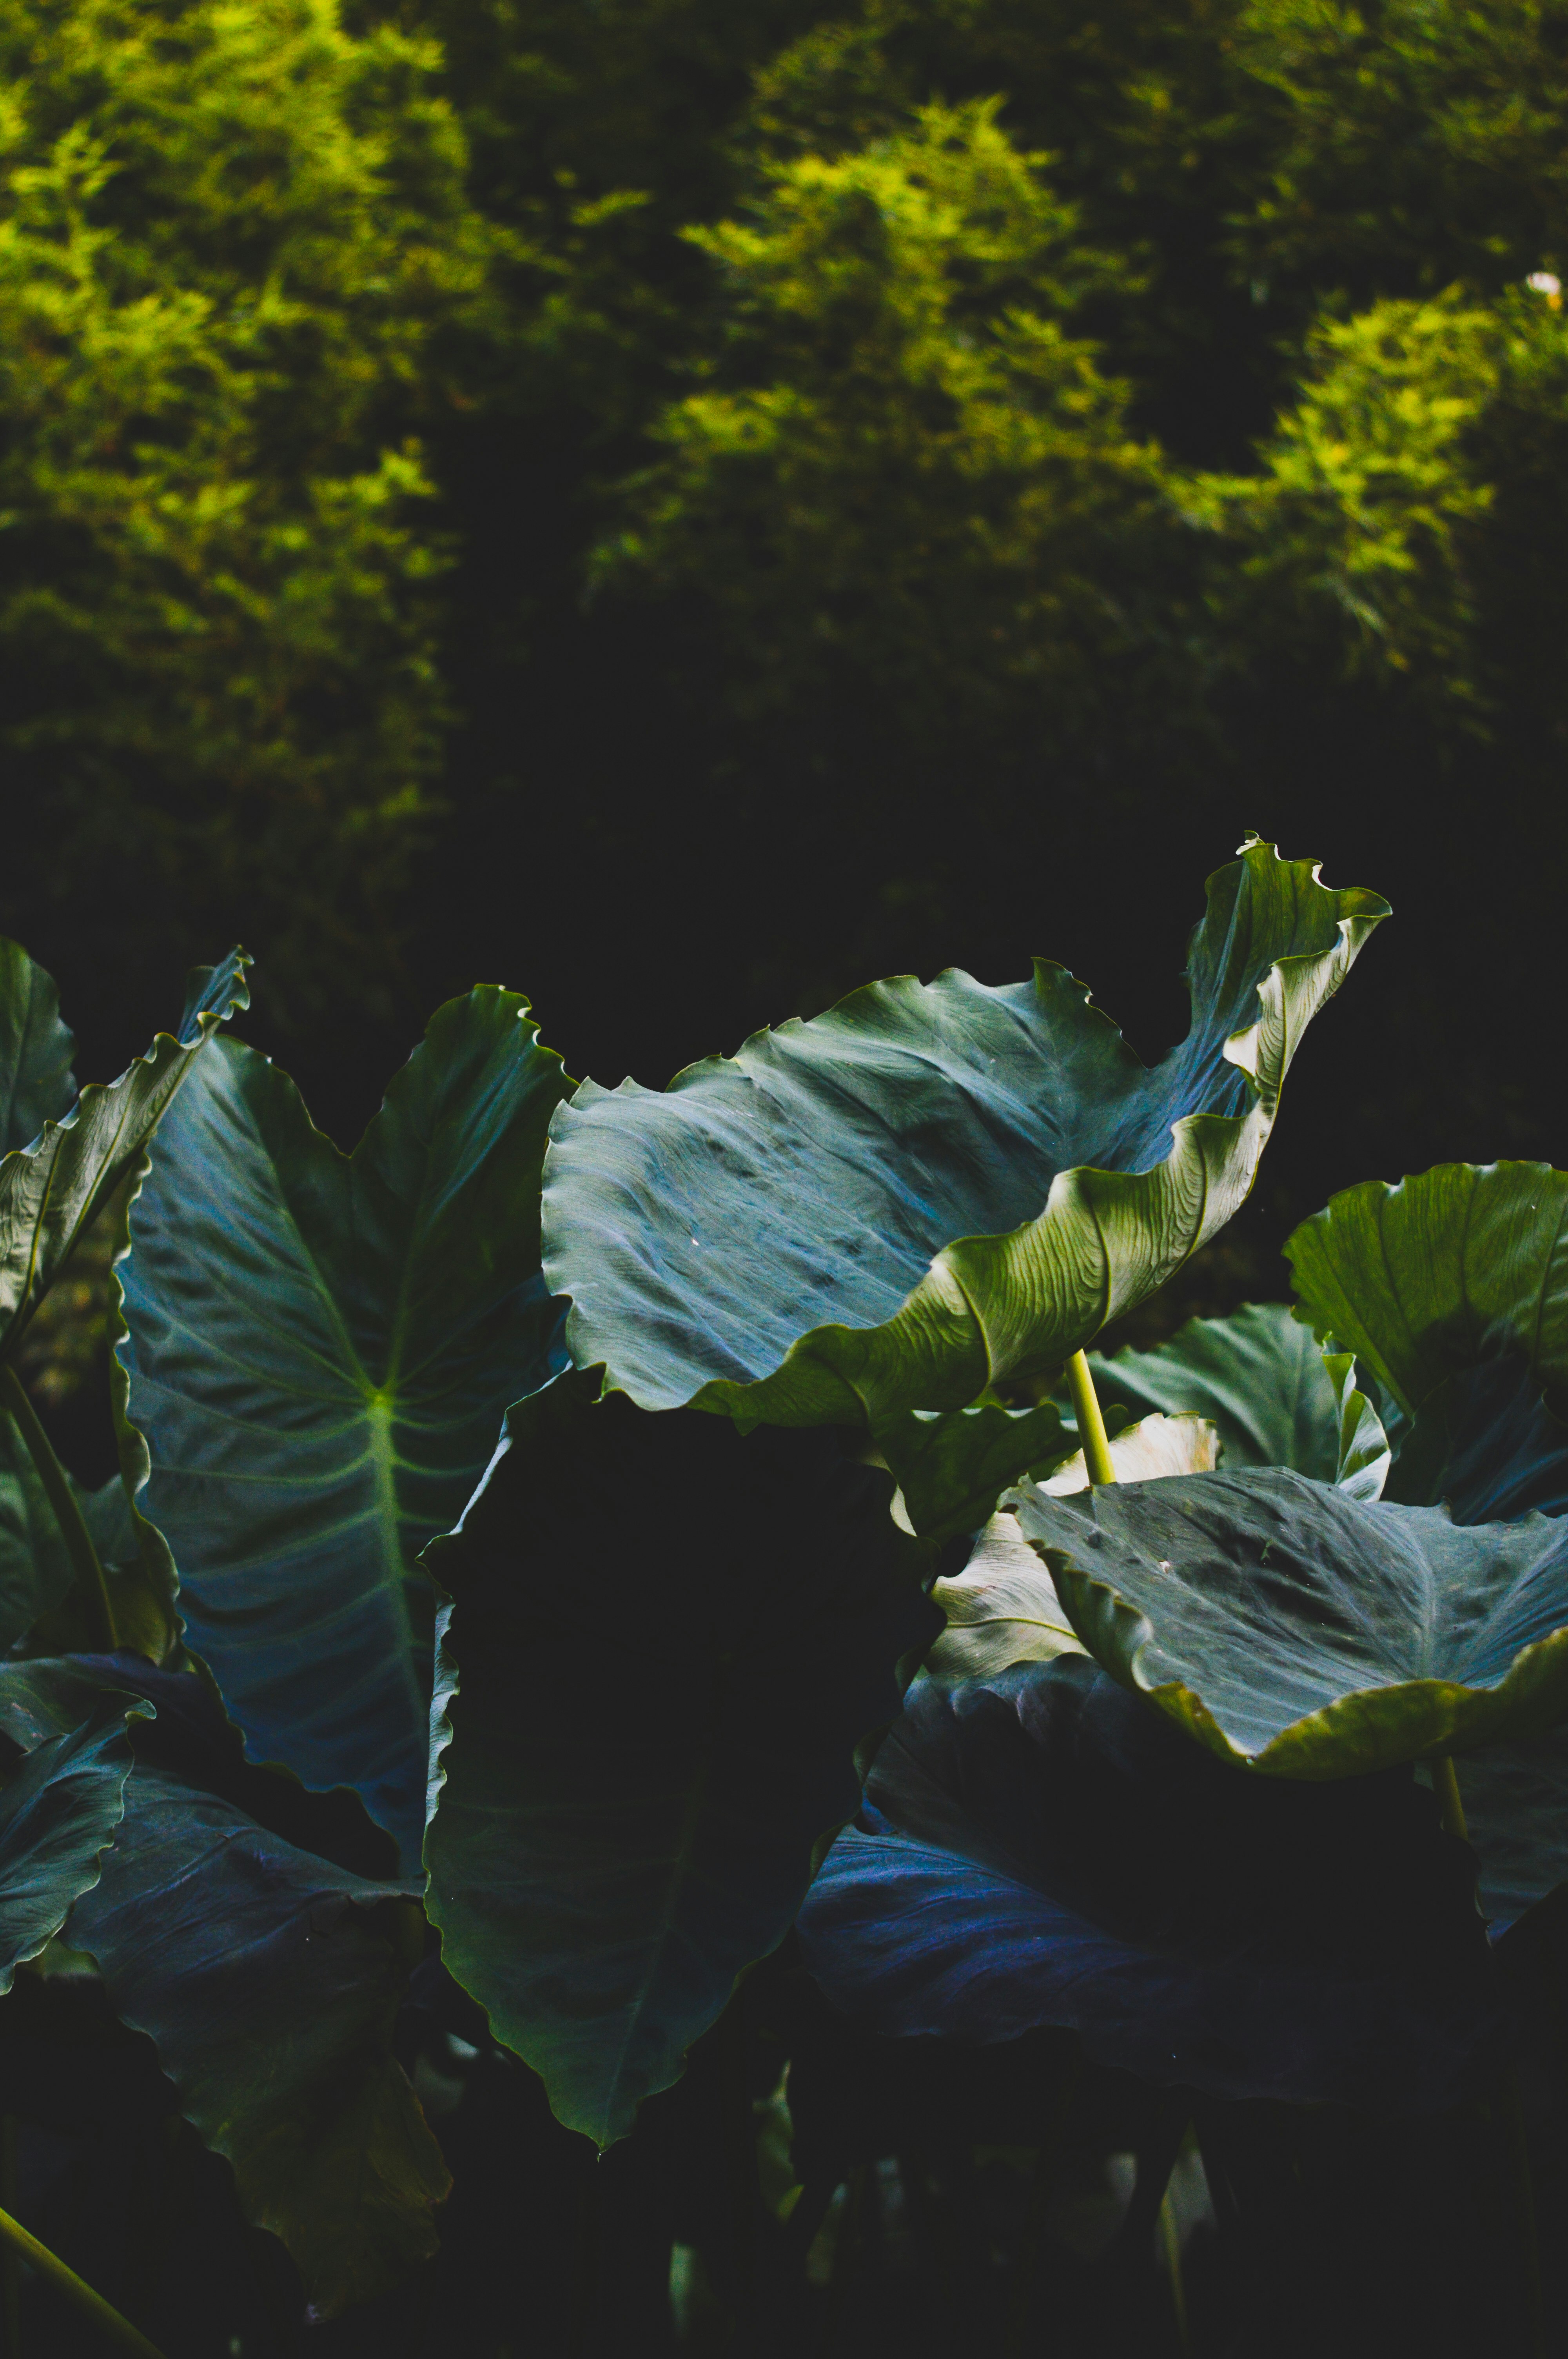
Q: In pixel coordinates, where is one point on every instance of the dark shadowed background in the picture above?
(684, 510)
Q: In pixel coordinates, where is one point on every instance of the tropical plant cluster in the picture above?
(647, 1751)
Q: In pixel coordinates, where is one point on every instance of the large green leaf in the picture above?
(843, 1223)
(35, 1085)
(321, 1349)
(1257, 1375)
(51, 1190)
(1452, 1288)
(1304, 1632)
(666, 1643)
(59, 1808)
(232, 1925)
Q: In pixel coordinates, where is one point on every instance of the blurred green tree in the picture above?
(231, 239)
(903, 475)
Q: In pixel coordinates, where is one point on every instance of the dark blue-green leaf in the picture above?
(931, 1188)
(244, 1925)
(59, 1807)
(322, 1347)
(1302, 1632)
(1039, 1847)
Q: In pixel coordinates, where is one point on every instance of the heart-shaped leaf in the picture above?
(843, 1225)
(240, 1922)
(51, 1190)
(58, 1808)
(1038, 1848)
(1452, 1288)
(322, 1347)
(667, 1642)
(1294, 1628)
(35, 1085)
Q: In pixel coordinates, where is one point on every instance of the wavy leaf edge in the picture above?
(1447, 1715)
(837, 1374)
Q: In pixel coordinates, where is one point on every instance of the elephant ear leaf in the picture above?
(1452, 1288)
(52, 1189)
(244, 1925)
(35, 1085)
(666, 1643)
(1301, 1631)
(843, 1223)
(320, 1348)
(59, 1807)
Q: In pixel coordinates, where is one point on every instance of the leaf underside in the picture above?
(1453, 1289)
(1038, 1848)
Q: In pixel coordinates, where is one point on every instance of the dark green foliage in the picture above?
(320, 1348)
(245, 1927)
(666, 1643)
(60, 1808)
(54, 1188)
(1305, 1633)
(887, 1165)
(1258, 1375)
(1036, 1848)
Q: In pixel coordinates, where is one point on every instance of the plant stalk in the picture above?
(1091, 1424)
(1446, 1786)
(74, 1531)
(119, 2330)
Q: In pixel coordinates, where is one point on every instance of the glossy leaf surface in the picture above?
(59, 1806)
(1291, 1627)
(1040, 1848)
(266, 1970)
(933, 1186)
(51, 1188)
(320, 1350)
(667, 1642)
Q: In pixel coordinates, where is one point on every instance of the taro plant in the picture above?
(601, 1531)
